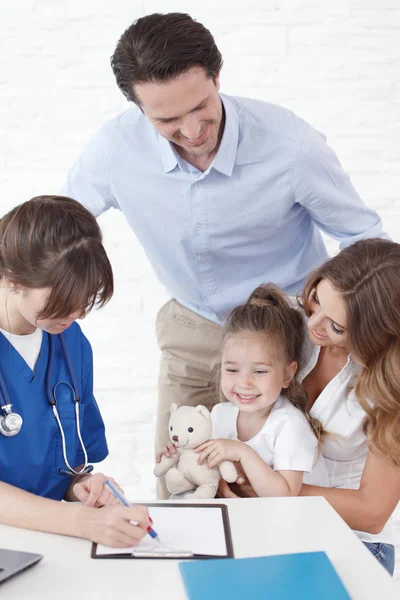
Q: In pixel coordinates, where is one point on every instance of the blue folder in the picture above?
(305, 576)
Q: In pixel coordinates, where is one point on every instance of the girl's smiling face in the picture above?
(252, 375)
(328, 320)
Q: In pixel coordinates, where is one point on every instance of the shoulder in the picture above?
(77, 342)
(288, 417)
(285, 409)
(132, 117)
(129, 128)
(273, 119)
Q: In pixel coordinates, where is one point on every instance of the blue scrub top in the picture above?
(31, 460)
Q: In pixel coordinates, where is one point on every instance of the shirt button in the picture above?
(212, 290)
(199, 226)
(204, 257)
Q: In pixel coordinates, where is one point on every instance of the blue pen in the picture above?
(119, 496)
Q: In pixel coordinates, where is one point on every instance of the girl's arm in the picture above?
(267, 482)
(109, 525)
(369, 507)
(264, 480)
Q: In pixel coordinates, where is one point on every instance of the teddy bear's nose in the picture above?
(175, 438)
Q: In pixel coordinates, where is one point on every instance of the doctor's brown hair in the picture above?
(268, 311)
(367, 275)
(54, 242)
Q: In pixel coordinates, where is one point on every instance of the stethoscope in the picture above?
(11, 422)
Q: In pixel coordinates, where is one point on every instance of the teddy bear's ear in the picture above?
(204, 411)
(174, 407)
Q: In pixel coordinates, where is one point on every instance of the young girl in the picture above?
(264, 425)
(53, 270)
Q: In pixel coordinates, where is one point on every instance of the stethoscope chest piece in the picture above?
(10, 422)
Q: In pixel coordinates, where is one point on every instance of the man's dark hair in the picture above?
(160, 47)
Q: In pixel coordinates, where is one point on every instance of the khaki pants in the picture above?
(190, 353)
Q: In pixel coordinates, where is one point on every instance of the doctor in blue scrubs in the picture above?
(53, 270)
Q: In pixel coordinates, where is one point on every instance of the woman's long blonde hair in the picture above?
(367, 275)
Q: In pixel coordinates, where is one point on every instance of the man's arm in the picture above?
(320, 184)
(88, 180)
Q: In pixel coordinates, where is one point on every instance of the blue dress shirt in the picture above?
(252, 217)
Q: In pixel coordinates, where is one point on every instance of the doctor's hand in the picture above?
(112, 525)
(91, 491)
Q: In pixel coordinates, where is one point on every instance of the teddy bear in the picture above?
(190, 426)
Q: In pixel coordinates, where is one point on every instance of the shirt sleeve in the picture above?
(320, 185)
(93, 430)
(88, 181)
(295, 447)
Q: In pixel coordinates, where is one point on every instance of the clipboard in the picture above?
(191, 531)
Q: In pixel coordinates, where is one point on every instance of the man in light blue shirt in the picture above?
(224, 193)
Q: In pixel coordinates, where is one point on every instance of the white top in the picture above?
(28, 345)
(345, 452)
(286, 441)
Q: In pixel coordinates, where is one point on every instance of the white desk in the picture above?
(260, 526)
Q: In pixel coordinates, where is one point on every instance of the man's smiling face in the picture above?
(187, 111)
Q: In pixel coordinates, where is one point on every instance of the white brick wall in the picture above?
(335, 63)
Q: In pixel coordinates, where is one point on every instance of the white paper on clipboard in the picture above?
(181, 528)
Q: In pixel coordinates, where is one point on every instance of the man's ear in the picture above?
(217, 81)
(204, 411)
(290, 373)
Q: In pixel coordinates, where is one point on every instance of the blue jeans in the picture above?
(384, 553)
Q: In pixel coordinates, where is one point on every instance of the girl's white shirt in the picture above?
(286, 441)
(344, 452)
(28, 345)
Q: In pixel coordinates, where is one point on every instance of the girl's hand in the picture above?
(218, 450)
(112, 525)
(167, 451)
(91, 491)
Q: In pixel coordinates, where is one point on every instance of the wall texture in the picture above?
(335, 63)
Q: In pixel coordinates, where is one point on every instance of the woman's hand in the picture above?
(168, 450)
(91, 491)
(240, 489)
(115, 526)
(224, 490)
(215, 451)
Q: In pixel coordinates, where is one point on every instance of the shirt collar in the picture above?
(169, 156)
(224, 160)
